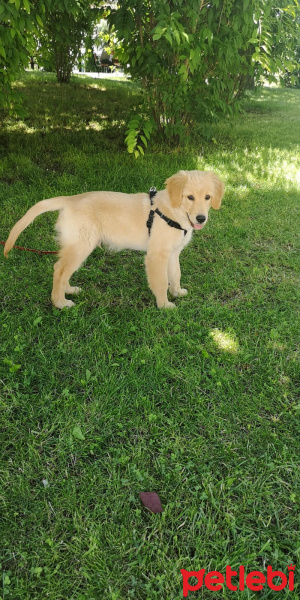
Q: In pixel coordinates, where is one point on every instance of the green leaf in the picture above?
(185, 36)
(14, 368)
(77, 433)
(37, 321)
(39, 20)
(134, 121)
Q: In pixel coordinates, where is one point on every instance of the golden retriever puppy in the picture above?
(160, 224)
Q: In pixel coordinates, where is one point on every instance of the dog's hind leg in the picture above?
(70, 259)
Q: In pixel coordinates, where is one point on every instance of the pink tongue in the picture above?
(198, 226)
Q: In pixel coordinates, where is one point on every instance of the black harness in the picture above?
(152, 194)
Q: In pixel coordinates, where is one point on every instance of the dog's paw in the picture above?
(168, 305)
(73, 290)
(177, 293)
(69, 304)
(182, 292)
(64, 304)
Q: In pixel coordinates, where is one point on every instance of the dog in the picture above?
(161, 225)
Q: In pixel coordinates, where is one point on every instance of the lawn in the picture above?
(114, 397)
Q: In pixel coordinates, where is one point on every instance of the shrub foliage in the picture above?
(196, 59)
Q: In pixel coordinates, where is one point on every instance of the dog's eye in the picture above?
(207, 197)
(191, 198)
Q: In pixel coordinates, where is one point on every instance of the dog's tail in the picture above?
(38, 209)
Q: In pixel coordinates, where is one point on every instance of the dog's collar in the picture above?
(170, 222)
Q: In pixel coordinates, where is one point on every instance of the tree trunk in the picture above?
(63, 66)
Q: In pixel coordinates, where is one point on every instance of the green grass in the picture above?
(113, 397)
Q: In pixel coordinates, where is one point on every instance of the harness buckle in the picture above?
(152, 194)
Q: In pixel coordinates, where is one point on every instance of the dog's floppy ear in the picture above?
(175, 185)
(218, 191)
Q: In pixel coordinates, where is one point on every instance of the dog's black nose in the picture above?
(200, 218)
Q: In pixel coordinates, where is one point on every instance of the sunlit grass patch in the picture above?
(225, 341)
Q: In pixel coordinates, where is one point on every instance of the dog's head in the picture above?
(195, 192)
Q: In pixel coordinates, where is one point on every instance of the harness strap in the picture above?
(150, 220)
(152, 194)
(170, 222)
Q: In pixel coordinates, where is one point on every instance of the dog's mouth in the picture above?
(195, 225)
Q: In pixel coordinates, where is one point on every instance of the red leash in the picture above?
(32, 250)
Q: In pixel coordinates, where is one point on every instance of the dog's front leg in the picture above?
(174, 275)
(157, 275)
